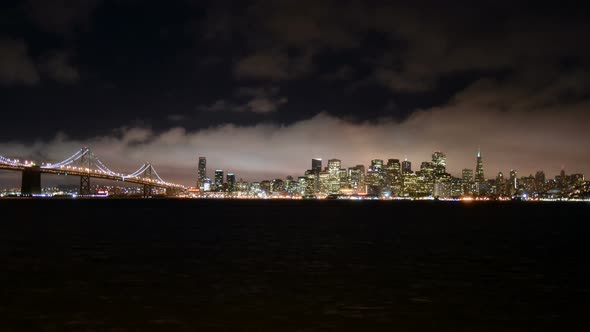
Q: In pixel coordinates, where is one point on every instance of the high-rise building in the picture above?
(540, 181)
(513, 181)
(265, 187)
(290, 185)
(277, 185)
(467, 175)
(479, 176)
(356, 176)
(334, 168)
(500, 184)
(343, 177)
(394, 166)
(201, 172)
(316, 168)
(467, 179)
(377, 165)
(302, 185)
(206, 184)
(325, 181)
(316, 165)
(218, 179)
(231, 182)
(439, 160)
(406, 167)
(527, 183)
(310, 187)
(393, 176)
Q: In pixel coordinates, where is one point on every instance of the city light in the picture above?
(390, 180)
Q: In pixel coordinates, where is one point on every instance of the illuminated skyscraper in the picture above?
(309, 186)
(500, 185)
(540, 181)
(439, 160)
(277, 185)
(394, 166)
(334, 168)
(479, 176)
(356, 176)
(467, 177)
(393, 178)
(316, 168)
(218, 179)
(325, 182)
(377, 165)
(316, 165)
(406, 167)
(513, 181)
(202, 172)
(231, 182)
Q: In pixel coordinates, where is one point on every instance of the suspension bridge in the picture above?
(86, 165)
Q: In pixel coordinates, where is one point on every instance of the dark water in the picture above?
(168, 265)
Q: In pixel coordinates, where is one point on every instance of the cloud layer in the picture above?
(526, 139)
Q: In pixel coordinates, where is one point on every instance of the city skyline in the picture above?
(381, 178)
(192, 172)
(396, 178)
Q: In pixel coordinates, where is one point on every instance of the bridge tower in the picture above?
(85, 162)
(149, 174)
(31, 181)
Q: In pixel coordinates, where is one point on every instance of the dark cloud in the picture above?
(419, 44)
(61, 16)
(16, 65)
(274, 66)
(57, 65)
(265, 104)
(305, 24)
(345, 72)
(259, 100)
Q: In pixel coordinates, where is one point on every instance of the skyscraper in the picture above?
(377, 165)
(334, 168)
(406, 167)
(356, 177)
(316, 165)
(540, 181)
(479, 176)
(439, 160)
(218, 179)
(394, 166)
(202, 172)
(333, 179)
(393, 176)
(513, 181)
(500, 186)
(231, 182)
(467, 175)
(316, 168)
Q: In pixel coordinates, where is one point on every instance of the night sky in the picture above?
(261, 87)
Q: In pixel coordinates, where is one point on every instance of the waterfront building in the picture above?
(479, 174)
(201, 172)
(218, 179)
(467, 177)
(406, 167)
(439, 163)
(231, 182)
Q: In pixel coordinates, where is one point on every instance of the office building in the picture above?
(201, 172)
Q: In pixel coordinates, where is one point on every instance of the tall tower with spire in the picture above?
(479, 177)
